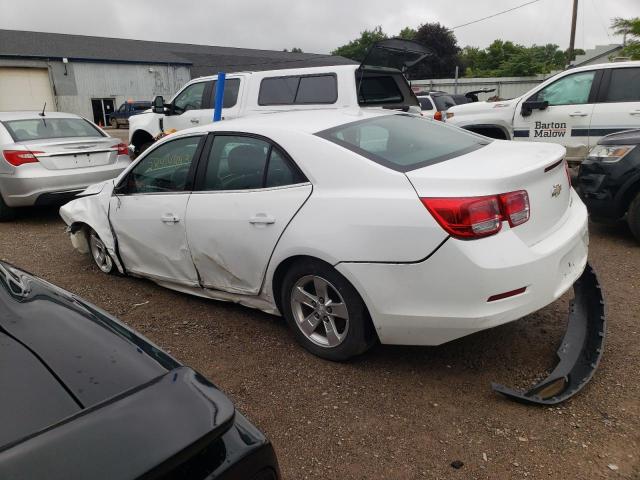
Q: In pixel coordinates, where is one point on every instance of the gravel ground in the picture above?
(396, 412)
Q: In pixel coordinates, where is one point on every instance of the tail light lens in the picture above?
(20, 157)
(437, 115)
(477, 217)
(123, 149)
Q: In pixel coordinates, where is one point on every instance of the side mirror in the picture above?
(158, 104)
(530, 105)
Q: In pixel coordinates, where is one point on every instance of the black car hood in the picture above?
(60, 357)
(627, 137)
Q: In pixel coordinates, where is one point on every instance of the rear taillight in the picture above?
(437, 116)
(477, 217)
(123, 149)
(20, 157)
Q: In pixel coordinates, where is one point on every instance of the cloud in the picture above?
(317, 26)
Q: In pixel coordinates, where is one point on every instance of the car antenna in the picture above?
(42, 112)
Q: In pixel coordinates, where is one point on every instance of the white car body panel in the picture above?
(232, 234)
(566, 125)
(420, 286)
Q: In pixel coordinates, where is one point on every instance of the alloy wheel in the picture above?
(319, 311)
(99, 253)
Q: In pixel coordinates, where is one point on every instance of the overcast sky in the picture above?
(315, 26)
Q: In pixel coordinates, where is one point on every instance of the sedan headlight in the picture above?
(610, 153)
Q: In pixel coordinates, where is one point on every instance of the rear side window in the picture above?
(403, 142)
(624, 85)
(41, 128)
(378, 90)
(299, 90)
(231, 89)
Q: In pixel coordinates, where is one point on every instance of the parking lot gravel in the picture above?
(396, 412)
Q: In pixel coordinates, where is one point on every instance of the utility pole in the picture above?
(572, 41)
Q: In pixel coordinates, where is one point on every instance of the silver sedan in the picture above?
(47, 158)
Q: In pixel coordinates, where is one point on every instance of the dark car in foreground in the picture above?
(609, 179)
(83, 396)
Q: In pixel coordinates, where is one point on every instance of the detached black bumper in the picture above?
(580, 351)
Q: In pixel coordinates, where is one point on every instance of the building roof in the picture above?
(203, 59)
(598, 54)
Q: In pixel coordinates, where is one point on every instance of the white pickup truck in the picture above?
(574, 108)
(376, 84)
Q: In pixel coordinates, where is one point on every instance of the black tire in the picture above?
(633, 217)
(114, 123)
(360, 335)
(99, 253)
(141, 149)
(6, 213)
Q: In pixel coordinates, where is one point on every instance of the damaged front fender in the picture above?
(91, 209)
(580, 351)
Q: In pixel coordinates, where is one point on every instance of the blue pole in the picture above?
(217, 109)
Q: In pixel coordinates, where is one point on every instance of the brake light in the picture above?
(20, 157)
(437, 115)
(477, 217)
(123, 149)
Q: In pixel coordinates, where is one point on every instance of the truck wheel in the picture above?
(114, 123)
(6, 213)
(633, 217)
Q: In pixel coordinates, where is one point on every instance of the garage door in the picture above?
(25, 89)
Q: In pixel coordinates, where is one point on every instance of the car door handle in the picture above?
(195, 120)
(170, 218)
(578, 114)
(262, 219)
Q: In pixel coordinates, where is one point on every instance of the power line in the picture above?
(495, 14)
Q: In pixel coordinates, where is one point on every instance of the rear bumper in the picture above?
(446, 296)
(32, 184)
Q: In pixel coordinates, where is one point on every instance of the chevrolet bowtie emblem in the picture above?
(556, 190)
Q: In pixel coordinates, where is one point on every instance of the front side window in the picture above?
(403, 142)
(42, 128)
(624, 85)
(190, 98)
(122, 107)
(570, 90)
(298, 90)
(165, 169)
(244, 163)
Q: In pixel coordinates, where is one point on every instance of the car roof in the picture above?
(303, 121)
(35, 114)
(285, 72)
(598, 66)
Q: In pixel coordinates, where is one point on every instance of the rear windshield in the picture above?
(443, 102)
(404, 142)
(41, 128)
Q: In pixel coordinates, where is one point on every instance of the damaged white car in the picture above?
(356, 226)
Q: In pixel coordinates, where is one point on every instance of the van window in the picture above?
(299, 90)
(624, 85)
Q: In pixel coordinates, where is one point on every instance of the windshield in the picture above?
(41, 128)
(404, 142)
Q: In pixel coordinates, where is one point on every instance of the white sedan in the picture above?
(356, 226)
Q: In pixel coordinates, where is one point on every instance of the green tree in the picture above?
(407, 33)
(444, 45)
(357, 49)
(630, 30)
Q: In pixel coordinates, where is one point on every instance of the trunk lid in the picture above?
(503, 167)
(75, 152)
